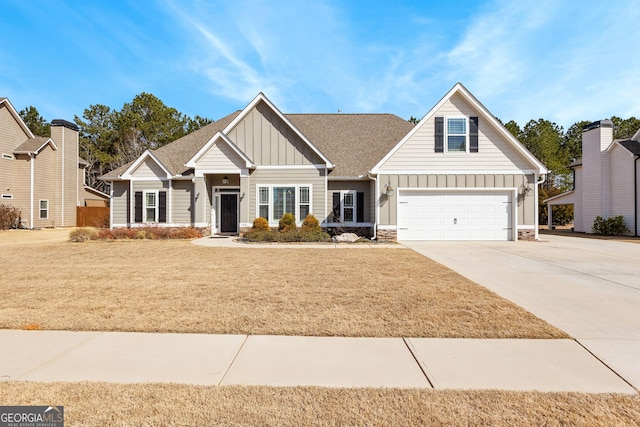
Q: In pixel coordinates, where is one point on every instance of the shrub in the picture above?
(260, 224)
(609, 227)
(311, 223)
(10, 217)
(287, 222)
(258, 235)
(83, 234)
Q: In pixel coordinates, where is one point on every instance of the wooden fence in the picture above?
(91, 216)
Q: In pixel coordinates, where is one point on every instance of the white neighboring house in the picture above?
(606, 181)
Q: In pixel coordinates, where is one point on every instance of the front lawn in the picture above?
(175, 286)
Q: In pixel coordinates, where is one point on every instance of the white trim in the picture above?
(512, 191)
(261, 97)
(145, 207)
(132, 204)
(313, 166)
(458, 172)
(216, 192)
(273, 222)
(483, 112)
(62, 201)
(615, 144)
(134, 166)
(192, 163)
(111, 205)
(636, 136)
(134, 179)
(347, 224)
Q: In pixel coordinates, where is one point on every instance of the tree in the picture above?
(514, 129)
(624, 128)
(35, 122)
(413, 120)
(98, 142)
(544, 139)
(197, 122)
(147, 123)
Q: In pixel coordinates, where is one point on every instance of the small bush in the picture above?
(287, 223)
(257, 235)
(83, 234)
(609, 227)
(260, 224)
(311, 223)
(10, 217)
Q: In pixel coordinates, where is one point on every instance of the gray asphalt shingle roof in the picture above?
(31, 145)
(632, 146)
(353, 142)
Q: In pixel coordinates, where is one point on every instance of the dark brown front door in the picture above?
(229, 213)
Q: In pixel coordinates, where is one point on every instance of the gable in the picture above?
(219, 155)
(495, 153)
(149, 169)
(267, 139)
(12, 132)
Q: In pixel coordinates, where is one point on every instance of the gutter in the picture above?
(375, 206)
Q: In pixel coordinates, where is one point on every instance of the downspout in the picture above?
(375, 207)
(543, 177)
(31, 190)
(635, 194)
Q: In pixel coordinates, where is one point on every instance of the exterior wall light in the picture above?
(388, 190)
(225, 180)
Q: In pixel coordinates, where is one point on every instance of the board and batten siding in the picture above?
(366, 187)
(311, 176)
(267, 140)
(418, 153)
(526, 214)
(622, 185)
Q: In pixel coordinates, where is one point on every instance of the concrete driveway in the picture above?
(588, 288)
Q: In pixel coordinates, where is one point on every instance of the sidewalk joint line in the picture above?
(606, 365)
(423, 369)
(246, 337)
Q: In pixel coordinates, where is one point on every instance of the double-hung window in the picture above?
(44, 209)
(456, 134)
(151, 206)
(348, 206)
(274, 201)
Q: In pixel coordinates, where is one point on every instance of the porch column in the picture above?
(549, 217)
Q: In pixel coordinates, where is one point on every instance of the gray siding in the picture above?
(120, 202)
(526, 204)
(268, 140)
(181, 194)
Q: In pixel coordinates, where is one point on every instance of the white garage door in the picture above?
(436, 215)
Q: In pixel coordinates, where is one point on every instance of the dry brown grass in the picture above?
(94, 404)
(175, 286)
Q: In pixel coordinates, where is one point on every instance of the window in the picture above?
(44, 209)
(150, 206)
(304, 203)
(274, 201)
(457, 134)
(348, 206)
(263, 202)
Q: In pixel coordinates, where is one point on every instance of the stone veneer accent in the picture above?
(387, 235)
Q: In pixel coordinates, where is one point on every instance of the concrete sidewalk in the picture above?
(120, 357)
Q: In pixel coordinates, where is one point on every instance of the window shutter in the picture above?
(360, 207)
(439, 134)
(336, 207)
(138, 206)
(473, 134)
(162, 206)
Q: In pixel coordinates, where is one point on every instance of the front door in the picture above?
(228, 213)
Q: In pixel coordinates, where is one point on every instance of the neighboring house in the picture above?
(606, 181)
(458, 174)
(42, 176)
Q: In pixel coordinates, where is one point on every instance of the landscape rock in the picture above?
(346, 237)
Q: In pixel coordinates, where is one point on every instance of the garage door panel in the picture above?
(424, 215)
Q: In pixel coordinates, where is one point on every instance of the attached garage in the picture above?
(456, 215)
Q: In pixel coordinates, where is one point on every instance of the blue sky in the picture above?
(561, 60)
